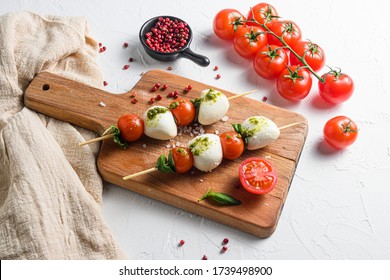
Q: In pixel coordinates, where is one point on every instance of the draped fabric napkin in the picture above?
(50, 189)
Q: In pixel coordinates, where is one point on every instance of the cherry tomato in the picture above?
(337, 87)
(340, 132)
(131, 127)
(232, 145)
(263, 13)
(183, 110)
(257, 175)
(294, 83)
(288, 30)
(314, 55)
(249, 40)
(183, 159)
(270, 61)
(227, 22)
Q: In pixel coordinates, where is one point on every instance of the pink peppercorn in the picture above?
(105, 83)
(181, 243)
(158, 97)
(216, 68)
(131, 59)
(225, 241)
(125, 44)
(218, 76)
(224, 249)
(151, 100)
(164, 87)
(134, 101)
(167, 35)
(204, 257)
(125, 67)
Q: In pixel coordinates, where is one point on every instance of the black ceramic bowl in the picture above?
(183, 52)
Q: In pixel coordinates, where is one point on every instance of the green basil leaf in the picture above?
(163, 165)
(196, 102)
(171, 162)
(238, 128)
(224, 198)
(221, 198)
(117, 136)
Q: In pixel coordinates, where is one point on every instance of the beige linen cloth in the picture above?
(50, 190)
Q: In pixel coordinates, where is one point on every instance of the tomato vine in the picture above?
(267, 18)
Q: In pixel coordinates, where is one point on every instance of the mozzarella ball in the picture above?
(260, 132)
(207, 151)
(214, 105)
(159, 123)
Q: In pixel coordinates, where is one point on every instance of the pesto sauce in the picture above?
(259, 124)
(152, 113)
(200, 145)
(212, 95)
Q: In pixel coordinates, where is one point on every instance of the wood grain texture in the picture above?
(78, 104)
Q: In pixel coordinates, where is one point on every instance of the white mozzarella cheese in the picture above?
(260, 132)
(207, 151)
(159, 123)
(214, 105)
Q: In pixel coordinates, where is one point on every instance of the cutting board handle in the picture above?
(70, 101)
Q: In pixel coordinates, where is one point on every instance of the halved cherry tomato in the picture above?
(263, 13)
(270, 61)
(340, 132)
(232, 145)
(183, 110)
(294, 83)
(287, 29)
(257, 175)
(337, 88)
(314, 55)
(183, 159)
(131, 127)
(227, 22)
(249, 40)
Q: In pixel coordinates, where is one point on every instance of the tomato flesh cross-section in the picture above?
(257, 175)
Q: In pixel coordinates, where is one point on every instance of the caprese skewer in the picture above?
(161, 122)
(205, 152)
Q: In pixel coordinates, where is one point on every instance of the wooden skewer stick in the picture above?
(101, 138)
(242, 94)
(289, 125)
(150, 170)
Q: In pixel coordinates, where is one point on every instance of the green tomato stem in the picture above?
(280, 38)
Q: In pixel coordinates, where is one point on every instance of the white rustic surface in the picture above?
(339, 202)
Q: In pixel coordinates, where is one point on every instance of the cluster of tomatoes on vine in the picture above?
(279, 53)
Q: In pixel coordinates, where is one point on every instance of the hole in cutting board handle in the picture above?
(46, 87)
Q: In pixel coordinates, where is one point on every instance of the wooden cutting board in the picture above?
(78, 104)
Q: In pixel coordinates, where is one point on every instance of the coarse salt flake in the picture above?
(102, 104)
(143, 145)
(224, 118)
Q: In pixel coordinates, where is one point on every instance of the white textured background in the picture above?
(339, 202)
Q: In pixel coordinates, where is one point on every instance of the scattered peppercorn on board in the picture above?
(96, 110)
